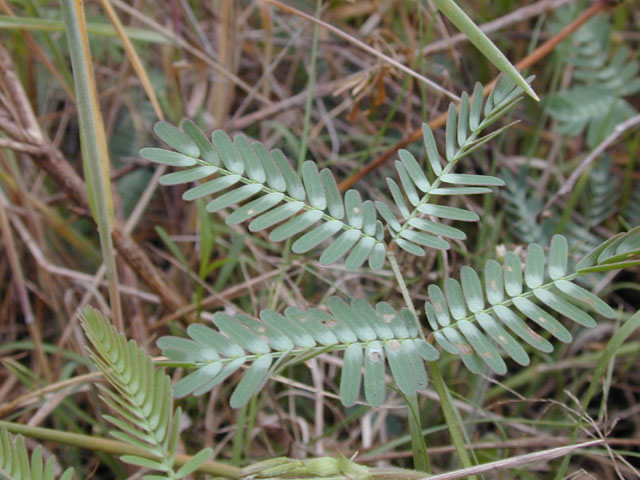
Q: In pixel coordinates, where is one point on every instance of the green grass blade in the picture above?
(95, 153)
(460, 19)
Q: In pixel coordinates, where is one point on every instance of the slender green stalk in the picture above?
(93, 142)
(391, 256)
(460, 19)
(450, 415)
(310, 86)
(420, 455)
(448, 408)
(239, 436)
(112, 446)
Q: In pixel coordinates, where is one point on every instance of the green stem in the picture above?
(391, 256)
(420, 455)
(93, 143)
(446, 402)
(310, 86)
(450, 415)
(111, 446)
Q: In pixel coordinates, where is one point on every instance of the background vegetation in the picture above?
(347, 91)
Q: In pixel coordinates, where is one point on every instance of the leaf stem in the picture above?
(450, 415)
(446, 402)
(391, 256)
(420, 455)
(310, 87)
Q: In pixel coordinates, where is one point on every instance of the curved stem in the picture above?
(451, 416)
(456, 430)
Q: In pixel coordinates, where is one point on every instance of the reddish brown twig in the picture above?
(535, 56)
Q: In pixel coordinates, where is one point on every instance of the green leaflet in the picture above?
(176, 139)
(253, 166)
(374, 383)
(167, 157)
(351, 377)
(503, 338)
(482, 346)
(494, 282)
(472, 289)
(339, 247)
(251, 381)
(194, 463)
(187, 176)
(234, 196)
(534, 269)
(231, 157)
(360, 253)
(255, 207)
(211, 187)
(207, 151)
(313, 185)
(451, 213)
(316, 236)
(400, 367)
(333, 196)
(294, 184)
(275, 216)
(295, 225)
(558, 257)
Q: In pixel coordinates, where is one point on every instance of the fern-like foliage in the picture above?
(602, 78)
(523, 207)
(16, 464)
(470, 316)
(370, 338)
(469, 311)
(632, 211)
(310, 202)
(603, 194)
(272, 193)
(142, 399)
(411, 232)
(479, 321)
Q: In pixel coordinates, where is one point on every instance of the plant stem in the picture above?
(93, 142)
(310, 87)
(446, 402)
(450, 415)
(391, 256)
(111, 446)
(420, 455)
